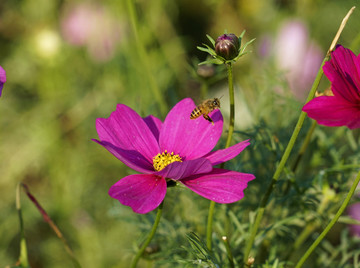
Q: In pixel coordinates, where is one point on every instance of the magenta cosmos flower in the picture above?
(342, 106)
(2, 79)
(178, 149)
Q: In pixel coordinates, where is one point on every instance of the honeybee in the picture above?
(205, 108)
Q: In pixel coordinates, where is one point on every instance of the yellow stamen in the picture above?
(160, 161)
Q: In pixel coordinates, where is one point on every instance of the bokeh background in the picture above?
(70, 62)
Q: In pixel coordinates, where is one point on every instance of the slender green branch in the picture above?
(232, 105)
(332, 222)
(209, 225)
(304, 145)
(144, 58)
(228, 142)
(149, 238)
(23, 258)
(228, 251)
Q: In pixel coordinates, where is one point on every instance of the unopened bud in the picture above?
(227, 46)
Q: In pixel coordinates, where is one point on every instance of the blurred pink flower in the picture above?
(91, 25)
(298, 56)
(295, 54)
(2, 79)
(343, 108)
(178, 149)
(354, 212)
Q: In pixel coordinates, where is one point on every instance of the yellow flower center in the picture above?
(160, 161)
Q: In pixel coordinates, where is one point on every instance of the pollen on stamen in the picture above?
(160, 161)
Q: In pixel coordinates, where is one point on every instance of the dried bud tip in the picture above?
(250, 261)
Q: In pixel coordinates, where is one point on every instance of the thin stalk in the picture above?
(149, 238)
(23, 258)
(232, 105)
(331, 224)
(228, 142)
(144, 58)
(291, 143)
(53, 226)
(209, 225)
(228, 251)
(304, 145)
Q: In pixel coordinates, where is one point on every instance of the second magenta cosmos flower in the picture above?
(342, 106)
(178, 149)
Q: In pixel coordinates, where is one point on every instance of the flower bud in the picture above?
(227, 46)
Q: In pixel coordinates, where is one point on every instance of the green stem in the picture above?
(23, 258)
(145, 58)
(232, 105)
(228, 142)
(304, 145)
(149, 238)
(228, 251)
(281, 165)
(209, 225)
(309, 229)
(332, 222)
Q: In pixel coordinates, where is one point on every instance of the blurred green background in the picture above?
(70, 62)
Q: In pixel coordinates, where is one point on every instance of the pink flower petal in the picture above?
(332, 112)
(126, 130)
(143, 193)
(190, 139)
(342, 71)
(131, 158)
(221, 156)
(179, 170)
(154, 125)
(220, 185)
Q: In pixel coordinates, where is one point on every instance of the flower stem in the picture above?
(209, 225)
(23, 258)
(228, 251)
(228, 142)
(232, 105)
(145, 58)
(331, 224)
(304, 145)
(149, 238)
(291, 143)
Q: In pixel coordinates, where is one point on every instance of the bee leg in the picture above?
(208, 118)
